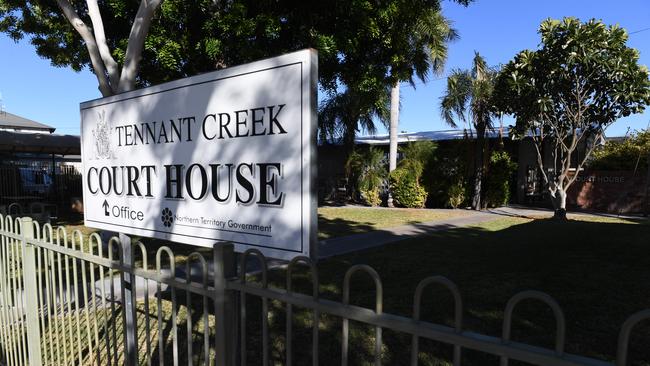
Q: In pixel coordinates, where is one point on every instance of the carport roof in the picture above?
(39, 143)
(13, 122)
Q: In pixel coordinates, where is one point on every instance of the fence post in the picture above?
(224, 306)
(128, 302)
(31, 293)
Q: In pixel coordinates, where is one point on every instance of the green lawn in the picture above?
(342, 221)
(598, 269)
(339, 221)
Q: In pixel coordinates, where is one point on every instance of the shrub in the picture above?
(456, 194)
(497, 185)
(371, 196)
(418, 156)
(624, 155)
(406, 189)
(446, 178)
(367, 169)
(405, 184)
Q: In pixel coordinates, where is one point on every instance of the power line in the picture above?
(639, 31)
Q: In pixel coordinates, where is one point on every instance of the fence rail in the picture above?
(61, 303)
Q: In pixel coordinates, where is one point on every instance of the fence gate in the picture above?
(61, 303)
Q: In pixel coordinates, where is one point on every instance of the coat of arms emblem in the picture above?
(102, 135)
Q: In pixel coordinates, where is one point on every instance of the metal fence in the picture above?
(28, 183)
(63, 302)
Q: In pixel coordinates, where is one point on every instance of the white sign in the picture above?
(224, 156)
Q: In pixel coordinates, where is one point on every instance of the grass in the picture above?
(95, 337)
(332, 222)
(343, 221)
(598, 270)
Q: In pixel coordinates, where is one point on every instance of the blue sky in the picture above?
(498, 29)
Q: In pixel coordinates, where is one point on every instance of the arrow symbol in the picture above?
(105, 205)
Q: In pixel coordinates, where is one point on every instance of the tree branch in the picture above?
(540, 160)
(91, 45)
(100, 37)
(588, 153)
(139, 31)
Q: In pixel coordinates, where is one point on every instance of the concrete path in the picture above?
(372, 239)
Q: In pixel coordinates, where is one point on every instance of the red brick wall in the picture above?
(609, 191)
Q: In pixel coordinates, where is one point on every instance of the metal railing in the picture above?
(61, 304)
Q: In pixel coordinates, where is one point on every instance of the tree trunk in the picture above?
(394, 122)
(559, 204)
(478, 166)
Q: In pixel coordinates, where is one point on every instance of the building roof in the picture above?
(9, 121)
(39, 143)
(426, 136)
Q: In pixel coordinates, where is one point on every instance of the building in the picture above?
(13, 123)
(526, 183)
(37, 166)
(332, 156)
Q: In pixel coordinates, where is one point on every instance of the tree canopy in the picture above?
(583, 76)
(357, 40)
(581, 80)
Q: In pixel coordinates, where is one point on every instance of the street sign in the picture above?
(224, 156)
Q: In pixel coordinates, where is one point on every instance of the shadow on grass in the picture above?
(337, 227)
(69, 219)
(598, 272)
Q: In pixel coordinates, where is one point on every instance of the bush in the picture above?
(497, 184)
(446, 179)
(418, 156)
(623, 155)
(456, 194)
(367, 169)
(371, 196)
(406, 189)
(405, 184)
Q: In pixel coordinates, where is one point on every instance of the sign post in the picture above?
(226, 156)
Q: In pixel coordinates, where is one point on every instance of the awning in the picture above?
(13, 142)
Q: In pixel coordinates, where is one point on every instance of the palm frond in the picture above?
(453, 104)
(432, 32)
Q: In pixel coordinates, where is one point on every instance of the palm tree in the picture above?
(425, 51)
(342, 115)
(468, 96)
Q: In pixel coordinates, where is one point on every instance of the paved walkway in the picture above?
(371, 239)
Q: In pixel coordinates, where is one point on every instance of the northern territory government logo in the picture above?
(167, 217)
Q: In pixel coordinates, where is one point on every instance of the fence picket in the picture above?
(44, 311)
(545, 298)
(458, 313)
(379, 295)
(30, 299)
(147, 323)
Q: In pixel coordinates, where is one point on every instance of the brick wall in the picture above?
(609, 191)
